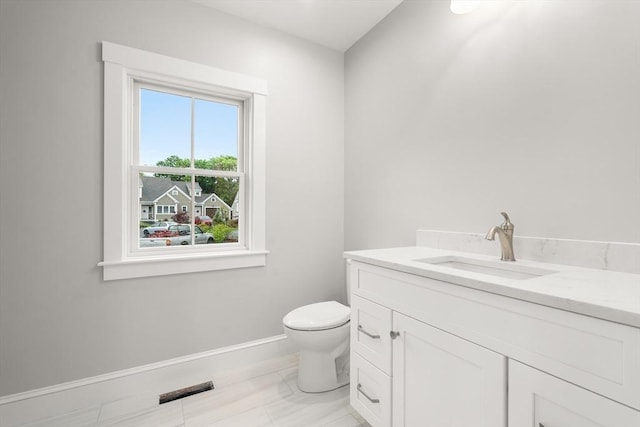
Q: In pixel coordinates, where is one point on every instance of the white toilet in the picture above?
(321, 331)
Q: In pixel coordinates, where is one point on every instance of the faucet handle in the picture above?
(507, 225)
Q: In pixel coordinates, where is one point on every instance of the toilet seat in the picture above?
(318, 316)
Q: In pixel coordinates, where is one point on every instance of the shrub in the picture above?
(218, 218)
(220, 232)
(181, 218)
(206, 228)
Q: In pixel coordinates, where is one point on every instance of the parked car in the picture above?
(176, 235)
(157, 226)
(203, 219)
(232, 236)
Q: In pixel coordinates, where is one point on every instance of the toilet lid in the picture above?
(321, 315)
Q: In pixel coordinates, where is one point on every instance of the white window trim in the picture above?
(121, 65)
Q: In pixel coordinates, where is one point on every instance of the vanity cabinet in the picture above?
(435, 374)
(427, 353)
(548, 401)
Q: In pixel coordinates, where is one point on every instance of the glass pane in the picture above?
(216, 135)
(169, 209)
(217, 209)
(165, 129)
(165, 207)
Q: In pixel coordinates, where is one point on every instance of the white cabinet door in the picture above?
(537, 399)
(440, 380)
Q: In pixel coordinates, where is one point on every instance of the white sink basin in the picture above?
(506, 269)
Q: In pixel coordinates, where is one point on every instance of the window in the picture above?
(185, 142)
(176, 134)
(165, 210)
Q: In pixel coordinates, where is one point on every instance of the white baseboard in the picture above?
(157, 378)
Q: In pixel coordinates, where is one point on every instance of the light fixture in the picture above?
(463, 6)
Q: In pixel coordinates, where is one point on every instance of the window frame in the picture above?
(123, 67)
(137, 86)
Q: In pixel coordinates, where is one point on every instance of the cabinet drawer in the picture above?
(370, 327)
(595, 354)
(370, 392)
(538, 399)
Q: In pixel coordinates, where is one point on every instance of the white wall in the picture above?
(532, 107)
(58, 320)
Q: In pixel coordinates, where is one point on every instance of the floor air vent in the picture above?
(185, 392)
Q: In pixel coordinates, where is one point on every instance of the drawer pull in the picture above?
(394, 335)
(369, 398)
(361, 329)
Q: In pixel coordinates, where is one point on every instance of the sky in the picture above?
(165, 127)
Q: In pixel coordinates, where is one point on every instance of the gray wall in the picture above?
(58, 320)
(532, 107)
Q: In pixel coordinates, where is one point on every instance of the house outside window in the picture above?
(188, 135)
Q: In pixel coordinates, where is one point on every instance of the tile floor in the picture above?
(263, 395)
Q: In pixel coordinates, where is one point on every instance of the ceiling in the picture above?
(336, 24)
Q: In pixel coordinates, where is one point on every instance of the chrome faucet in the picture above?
(505, 232)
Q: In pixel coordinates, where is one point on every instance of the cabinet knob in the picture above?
(540, 425)
(370, 335)
(394, 335)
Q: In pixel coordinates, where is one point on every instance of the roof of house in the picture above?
(154, 187)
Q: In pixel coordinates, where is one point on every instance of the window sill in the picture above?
(193, 263)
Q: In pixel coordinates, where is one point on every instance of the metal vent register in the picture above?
(185, 392)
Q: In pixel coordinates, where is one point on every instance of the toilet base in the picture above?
(323, 364)
(317, 373)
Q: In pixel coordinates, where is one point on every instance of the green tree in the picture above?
(174, 162)
(207, 183)
(225, 188)
(224, 163)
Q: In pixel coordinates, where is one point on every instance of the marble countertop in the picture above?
(608, 295)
